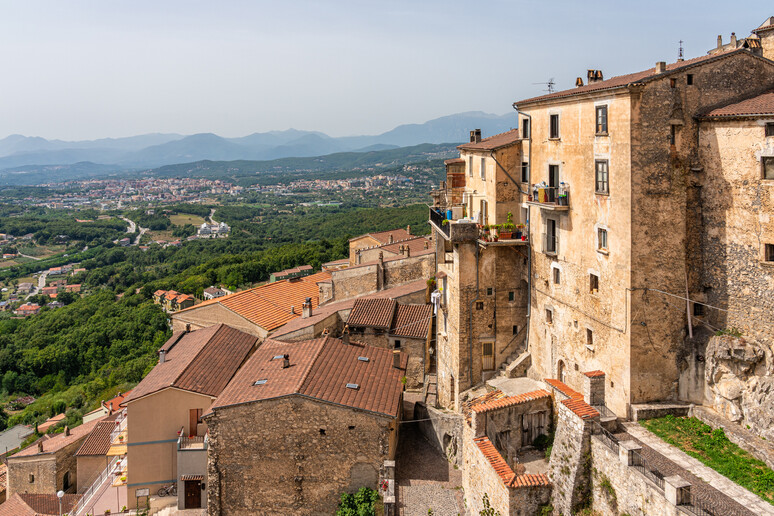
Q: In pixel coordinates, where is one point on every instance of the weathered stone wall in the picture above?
(369, 278)
(48, 469)
(514, 427)
(442, 429)
(292, 456)
(620, 489)
(570, 464)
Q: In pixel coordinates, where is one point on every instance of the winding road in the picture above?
(133, 228)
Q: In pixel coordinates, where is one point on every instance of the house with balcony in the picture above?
(166, 440)
(481, 246)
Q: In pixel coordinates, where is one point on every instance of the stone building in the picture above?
(608, 263)
(167, 437)
(481, 320)
(403, 327)
(48, 465)
(300, 424)
(371, 240)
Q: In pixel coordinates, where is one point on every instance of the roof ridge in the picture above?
(312, 364)
(198, 354)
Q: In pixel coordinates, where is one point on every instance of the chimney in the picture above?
(292, 309)
(589, 76)
(345, 336)
(733, 40)
(396, 358)
(162, 356)
(475, 136)
(408, 251)
(598, 75)
(478, 135)
(390, 240)
(285, 361)
(660, 67)
(381, 256)
(720, 41)
(40, 447)
(579, 82)
(67, 430)
(306, 308)
(188, 327)
(408, 229)
(400, 249)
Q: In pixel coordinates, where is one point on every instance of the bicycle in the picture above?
(168, 490)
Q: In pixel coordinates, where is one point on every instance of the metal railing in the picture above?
(605, 437)
(652, 474)
(550, 195)
(121, 423)
(437, 219)
(699, 507)
(95, 486)
(550, 244)
(604, 411)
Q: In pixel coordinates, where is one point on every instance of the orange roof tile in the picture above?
(505, 472)
(495, 142)
(28, 504)
(563, 388)
(509, 401)
(114, 403)
(374, 313)
(269, 305)
(594, 374)
(98, 441)
(412, 321)
(53, 443)
(320, 369)
(384, 236)
(580, 408)
(759, 105)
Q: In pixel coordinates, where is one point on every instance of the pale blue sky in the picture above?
(89, 69)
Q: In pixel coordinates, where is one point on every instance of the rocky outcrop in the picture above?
(739, 373)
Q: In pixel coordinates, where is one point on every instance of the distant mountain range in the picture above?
(21, 155)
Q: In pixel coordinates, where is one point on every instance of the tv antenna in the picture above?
(549, 85)
(680, 51)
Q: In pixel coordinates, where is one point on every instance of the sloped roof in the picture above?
(201, 361)
(374, 313)
(114, 404)
(268, 306)
(384, 236)
(766, 25)
(622, 81)
(504, 471)
(495, 142)
(13, 437)
(320, 369)
(510, 401)
(27, 504)
(759, 105)
(54, 443)
(98, 441)
(48, 423)
(412, 321)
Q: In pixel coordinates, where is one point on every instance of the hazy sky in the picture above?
(89, 69)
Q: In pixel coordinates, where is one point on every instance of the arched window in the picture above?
(560, 371)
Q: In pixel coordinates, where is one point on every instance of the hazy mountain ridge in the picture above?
(155, 150)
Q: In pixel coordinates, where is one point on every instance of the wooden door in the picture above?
(193, 421)
(487, 356)
(193, 494)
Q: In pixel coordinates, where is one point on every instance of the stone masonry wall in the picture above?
(48, 470)
(292, 456)
(570, 464)
(620, 489)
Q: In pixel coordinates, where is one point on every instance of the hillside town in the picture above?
(608, 263)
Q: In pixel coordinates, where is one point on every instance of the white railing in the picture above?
(95, 486)
(119, 427)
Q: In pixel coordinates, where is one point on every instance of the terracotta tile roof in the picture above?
(581, 409)
(759, 105)
(495, 142)
(509, 401)
(622, 81)
(115, 403)
(470, 405)
(3, 477)
(766, 25)
(15, 506)
(594, 374)
(564, 389)
(504, 471)
(454, 161)
(269, 305)
(41, 504)
(384, 236)
(200, 361)
(320, 369)
(48, 423)
(98, 441)
(412, 321)
(374, 313)
(54, 443)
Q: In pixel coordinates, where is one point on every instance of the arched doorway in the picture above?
(560, 371)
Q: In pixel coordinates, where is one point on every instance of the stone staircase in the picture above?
(430, 390)
(516, 365)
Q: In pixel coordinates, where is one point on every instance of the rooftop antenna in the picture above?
(680, 51)
(549, 85)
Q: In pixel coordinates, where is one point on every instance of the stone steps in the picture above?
(515, 366)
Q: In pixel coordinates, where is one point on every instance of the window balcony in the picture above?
(496, 236)
(451, 225)
(550, 197)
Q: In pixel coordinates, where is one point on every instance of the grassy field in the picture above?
(181, 219)
(42, 251)
(713, 448)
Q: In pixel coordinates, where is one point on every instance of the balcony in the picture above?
(550, 197)
(194, 442)
(451, 228)
(495, 236)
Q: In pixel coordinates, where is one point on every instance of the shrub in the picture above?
(359, 504)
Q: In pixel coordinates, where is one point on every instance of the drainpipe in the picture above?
(529, 232)
(470, 324)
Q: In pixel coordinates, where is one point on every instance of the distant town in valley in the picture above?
(567, 310)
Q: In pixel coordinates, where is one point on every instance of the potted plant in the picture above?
(121, 437)
(506, 230)
(519, 230)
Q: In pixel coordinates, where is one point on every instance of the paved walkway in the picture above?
(425, 479)
(736, 499)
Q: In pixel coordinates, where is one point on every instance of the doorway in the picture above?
(553, 182)
(193, 494)
(487, 356)
(194, 418)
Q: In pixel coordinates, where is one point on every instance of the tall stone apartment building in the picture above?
(639, 191)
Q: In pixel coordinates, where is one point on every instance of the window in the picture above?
(673, 135)
(557, 276)
(525, 128)
(551, 240)
(589, 337)
(489, 291)
(602, 177)
(698, 310)
(593, 283)
(689, 79)
(601, 119)
(524, 172)
(549, 316)
(397, 344)
(770, 129)
(553, 131)
(768, 252)
(470, 166)
(511, 296)
(515, 329)
(483, 168)
(479, 305)
(768, 167)
(32, 478)
(322, 431)
(673, 83)
(602, 239)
